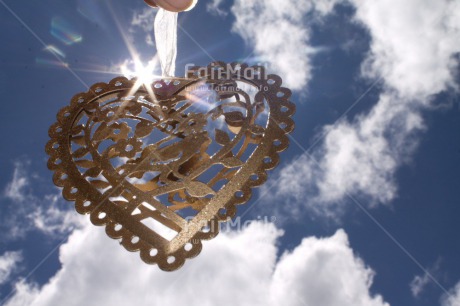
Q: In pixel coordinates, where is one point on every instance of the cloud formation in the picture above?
(144, 20)
(279, 36)
(15, 190)
(214, 8)
(453, 298)
(238, 268)
(412, 53)
(419, 282)
(29, 210)
(8, 264)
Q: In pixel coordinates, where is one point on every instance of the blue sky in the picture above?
(365, 201)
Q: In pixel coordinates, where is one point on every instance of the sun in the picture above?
(143, 73)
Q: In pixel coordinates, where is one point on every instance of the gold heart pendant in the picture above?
(160, 165)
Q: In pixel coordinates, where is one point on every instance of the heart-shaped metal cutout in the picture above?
(161, 164)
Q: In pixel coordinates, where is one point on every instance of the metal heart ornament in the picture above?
(160, 165)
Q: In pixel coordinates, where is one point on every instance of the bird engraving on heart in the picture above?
(160, 165)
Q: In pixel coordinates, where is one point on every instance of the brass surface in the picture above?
(160, 166)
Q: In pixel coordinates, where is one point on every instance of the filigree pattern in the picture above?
(162, 164)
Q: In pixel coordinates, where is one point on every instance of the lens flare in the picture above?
(255, 60)
(202, 96)
(64, 31)
(136, 69)
(51, 63)
(55, 50)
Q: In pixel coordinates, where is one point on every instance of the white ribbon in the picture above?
(166, 41)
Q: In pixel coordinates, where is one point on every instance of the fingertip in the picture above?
(172, 5)
(192, 5)
(151, 3)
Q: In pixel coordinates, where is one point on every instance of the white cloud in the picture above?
(29, 210)
(214, 8)
(279, 35)
(53, 220)
(24, 293)
(15, 190)
(323, 272)
(414, 43)
(233, 269)
(8, 264)
(452, 298)
(419, 282)
(413, 50)
(144, 20)
(358, 157)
